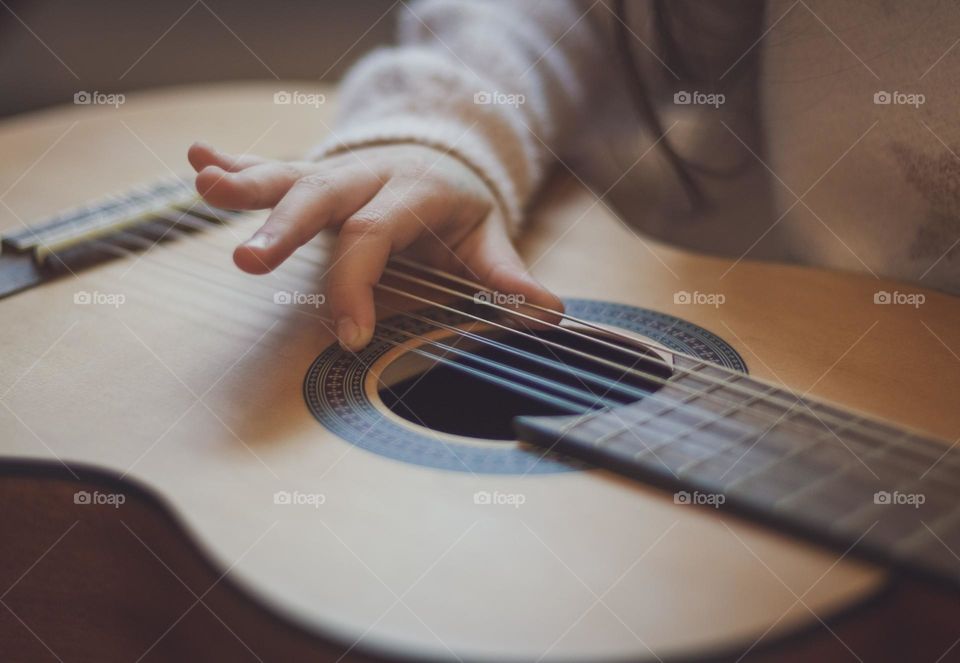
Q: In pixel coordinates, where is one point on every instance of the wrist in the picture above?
(443, 137)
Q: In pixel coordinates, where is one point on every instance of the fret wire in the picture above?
(716, 419)
(852, 516)
(887, 444)
(943, 458)
(910, 481)
(925, 481)
(593, 414)
(681, 434)
(854, 420)
(673, 405)
(906, 482)
(692, 429)
(824, 436)
(943, 522)
(908, 543)
(837, 472)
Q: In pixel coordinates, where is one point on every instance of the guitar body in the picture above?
(190, 396)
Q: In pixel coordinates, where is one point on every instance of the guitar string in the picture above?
(558, 403)
(627, 426)
(559, 365)
(769, 396)
(762, 396)
(574, 409)
(198, 224)
(698, 364)
(550, 399)
(703, 394)
(589, 399)
(746, 390)
(875, 439)
(612, 385)
(147, 244)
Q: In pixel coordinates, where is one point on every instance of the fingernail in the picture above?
(347, 332)
(259, 241)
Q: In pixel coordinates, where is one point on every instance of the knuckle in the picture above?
(292, 169)
(418, 181)
(443, 197)
(419, 171)
(415, 172)
(366, 223)
(435, 202)
(319, 182)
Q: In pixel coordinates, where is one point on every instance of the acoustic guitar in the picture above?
(703, 459)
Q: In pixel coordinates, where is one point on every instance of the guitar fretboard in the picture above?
(820, 471)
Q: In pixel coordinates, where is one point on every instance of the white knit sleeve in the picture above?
(496, 84)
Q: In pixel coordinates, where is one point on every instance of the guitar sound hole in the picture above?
(443, 398)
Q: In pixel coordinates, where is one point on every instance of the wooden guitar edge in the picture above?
(131, 572)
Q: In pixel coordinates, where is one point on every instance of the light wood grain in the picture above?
(117, 388)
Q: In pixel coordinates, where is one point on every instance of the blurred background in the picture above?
(49, 49)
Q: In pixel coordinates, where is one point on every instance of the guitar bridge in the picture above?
(83, 236)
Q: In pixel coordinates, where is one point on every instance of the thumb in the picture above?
(490, 257)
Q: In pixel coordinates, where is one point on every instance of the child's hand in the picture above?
(381, 200)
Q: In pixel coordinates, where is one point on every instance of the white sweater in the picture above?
(515, 87)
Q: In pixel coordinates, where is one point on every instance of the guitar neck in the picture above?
(828, 474)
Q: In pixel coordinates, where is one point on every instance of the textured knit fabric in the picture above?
(516, 87)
